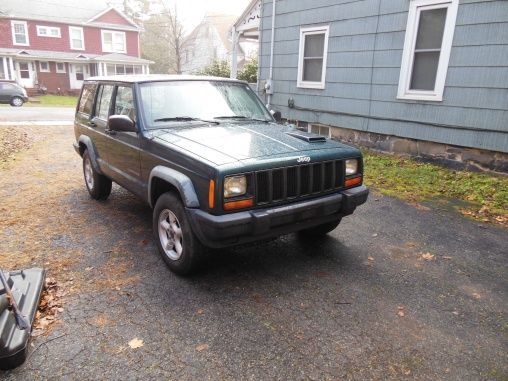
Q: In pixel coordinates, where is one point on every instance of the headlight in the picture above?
(351, 167)
(235, 186)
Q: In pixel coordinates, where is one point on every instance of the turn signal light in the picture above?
(241, 204)
(211, 194)
(354, 181)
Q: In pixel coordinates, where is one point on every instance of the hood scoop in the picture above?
(307, 136)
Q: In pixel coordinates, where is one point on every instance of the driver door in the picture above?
(124, 147)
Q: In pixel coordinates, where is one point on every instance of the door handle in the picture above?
(109, 131)
(93, 124)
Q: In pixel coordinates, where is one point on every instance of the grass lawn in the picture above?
(55, 100)
(481, 196)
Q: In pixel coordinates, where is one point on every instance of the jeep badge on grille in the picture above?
(303, 159)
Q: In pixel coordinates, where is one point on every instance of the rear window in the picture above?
(104, 101)
(86, 101)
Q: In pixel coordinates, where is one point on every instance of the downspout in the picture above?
(269, 84)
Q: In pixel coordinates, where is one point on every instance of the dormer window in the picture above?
(20, 33)
(113, 42)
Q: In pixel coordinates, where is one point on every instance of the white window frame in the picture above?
(48, 70)
(25, 25)
(60, 71)
(112, 50)
(406, 70)
(48, 31)
(82, 37)
(319, 126)
(324, 29)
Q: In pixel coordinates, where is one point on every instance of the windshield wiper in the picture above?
(184, 119)
(242, 117)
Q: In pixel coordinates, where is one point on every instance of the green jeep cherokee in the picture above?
(212, 162)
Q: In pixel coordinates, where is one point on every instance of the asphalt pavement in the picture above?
(37, 115)
(395, 292)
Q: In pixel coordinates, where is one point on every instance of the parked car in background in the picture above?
(212, 162)
(13, 94)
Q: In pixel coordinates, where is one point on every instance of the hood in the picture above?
(229, 142)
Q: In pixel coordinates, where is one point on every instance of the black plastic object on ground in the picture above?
(26, 287)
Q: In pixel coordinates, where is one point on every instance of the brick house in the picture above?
(58, 44)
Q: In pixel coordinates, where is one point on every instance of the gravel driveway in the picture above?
(394, 293)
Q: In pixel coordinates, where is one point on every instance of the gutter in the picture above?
(269, 84)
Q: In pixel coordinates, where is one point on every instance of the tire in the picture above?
(319, 230)
(17, 102)
(178, 245)
(98, 186)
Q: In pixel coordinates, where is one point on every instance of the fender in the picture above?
(179, 181)
(83, 139)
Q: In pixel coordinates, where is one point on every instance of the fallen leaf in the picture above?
(136, 343)
(201, 312)
(428, 256)
(447, 258)
(374, 235)
(370, 258)
(421, 207)
(89, 268)
(455, 313)
(476, 295)
(202, 347)
(400, 311)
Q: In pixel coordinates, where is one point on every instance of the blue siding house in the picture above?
(427, 78)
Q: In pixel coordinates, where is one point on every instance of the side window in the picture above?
(429, 36)
(312, 57)
(86, 100)
(124, 102)
(103, 101)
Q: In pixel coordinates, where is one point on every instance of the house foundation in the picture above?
(456, 157)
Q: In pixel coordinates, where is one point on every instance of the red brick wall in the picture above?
(53, 80)
(93, 41)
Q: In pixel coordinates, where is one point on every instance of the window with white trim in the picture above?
(44, 66)
(76, 38)
(48, 31)
(113, 42)
(312, 57)
(429, 37)
(20, 33)
(24, 69)
(320, 130)
(119, 69)
(60, 67)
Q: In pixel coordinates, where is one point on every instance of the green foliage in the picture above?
(216, 69)
(249, 72)
(222, 69)
(486, 194)
(57, 100)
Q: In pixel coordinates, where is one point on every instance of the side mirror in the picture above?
(276, 115)
(121, 123)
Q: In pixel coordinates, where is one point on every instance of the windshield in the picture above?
(180, 101)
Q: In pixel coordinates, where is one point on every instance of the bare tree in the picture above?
(163, 39)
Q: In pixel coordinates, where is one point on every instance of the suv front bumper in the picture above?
(259, 224)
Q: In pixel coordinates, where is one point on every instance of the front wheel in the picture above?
(319, 230)
(17, 102)
(178, 245)
(98, 186)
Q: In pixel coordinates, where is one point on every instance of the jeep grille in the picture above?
(299, 181)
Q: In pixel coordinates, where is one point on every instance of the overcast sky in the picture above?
(191, 12)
